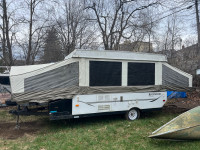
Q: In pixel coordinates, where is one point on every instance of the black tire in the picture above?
(132, 114)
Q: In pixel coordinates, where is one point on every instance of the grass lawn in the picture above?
(105, 132)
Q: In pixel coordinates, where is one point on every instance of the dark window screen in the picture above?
(141, 74)
(4, 80)
(105, 73)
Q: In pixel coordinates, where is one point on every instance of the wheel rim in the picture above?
(132, 114)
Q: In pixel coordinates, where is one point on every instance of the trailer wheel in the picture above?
(132, 114)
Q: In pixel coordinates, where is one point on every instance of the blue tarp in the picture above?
(175, 94)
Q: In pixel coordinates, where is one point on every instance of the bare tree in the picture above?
(32, 4)
(115, 18)
(6, 40)
(149, 25)
(31, 40)
(197, 20)
(172, 33)
(189, 41)
(75, 31)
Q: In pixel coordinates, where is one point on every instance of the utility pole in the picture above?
(197, 19)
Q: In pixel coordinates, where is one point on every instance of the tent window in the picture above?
(4, 80)
(105, 73)
(141, 74)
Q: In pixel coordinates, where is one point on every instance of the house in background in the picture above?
(138, 46)
(198, 71)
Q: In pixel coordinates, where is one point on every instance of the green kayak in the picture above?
(184, 127)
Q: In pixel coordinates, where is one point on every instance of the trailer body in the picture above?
(101, 104)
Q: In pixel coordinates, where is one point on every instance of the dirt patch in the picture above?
(8, 130)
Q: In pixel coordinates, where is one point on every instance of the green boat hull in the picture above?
(184, 127)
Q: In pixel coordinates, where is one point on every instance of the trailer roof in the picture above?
(118, 55)
(4, 74)
(16, 70)
(95, 54)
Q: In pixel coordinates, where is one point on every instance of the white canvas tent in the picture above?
(91, 71)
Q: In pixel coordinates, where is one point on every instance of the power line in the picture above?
(174, 8)
(171, 14)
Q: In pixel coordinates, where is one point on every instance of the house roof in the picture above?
(117, 55)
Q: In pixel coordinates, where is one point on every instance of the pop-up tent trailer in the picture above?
(90, 82)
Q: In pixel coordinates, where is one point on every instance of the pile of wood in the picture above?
(183, 104)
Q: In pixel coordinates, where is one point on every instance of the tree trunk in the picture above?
(4, 44)
(6, 25)
(30, 34)
(149, 43)
(197, 19)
